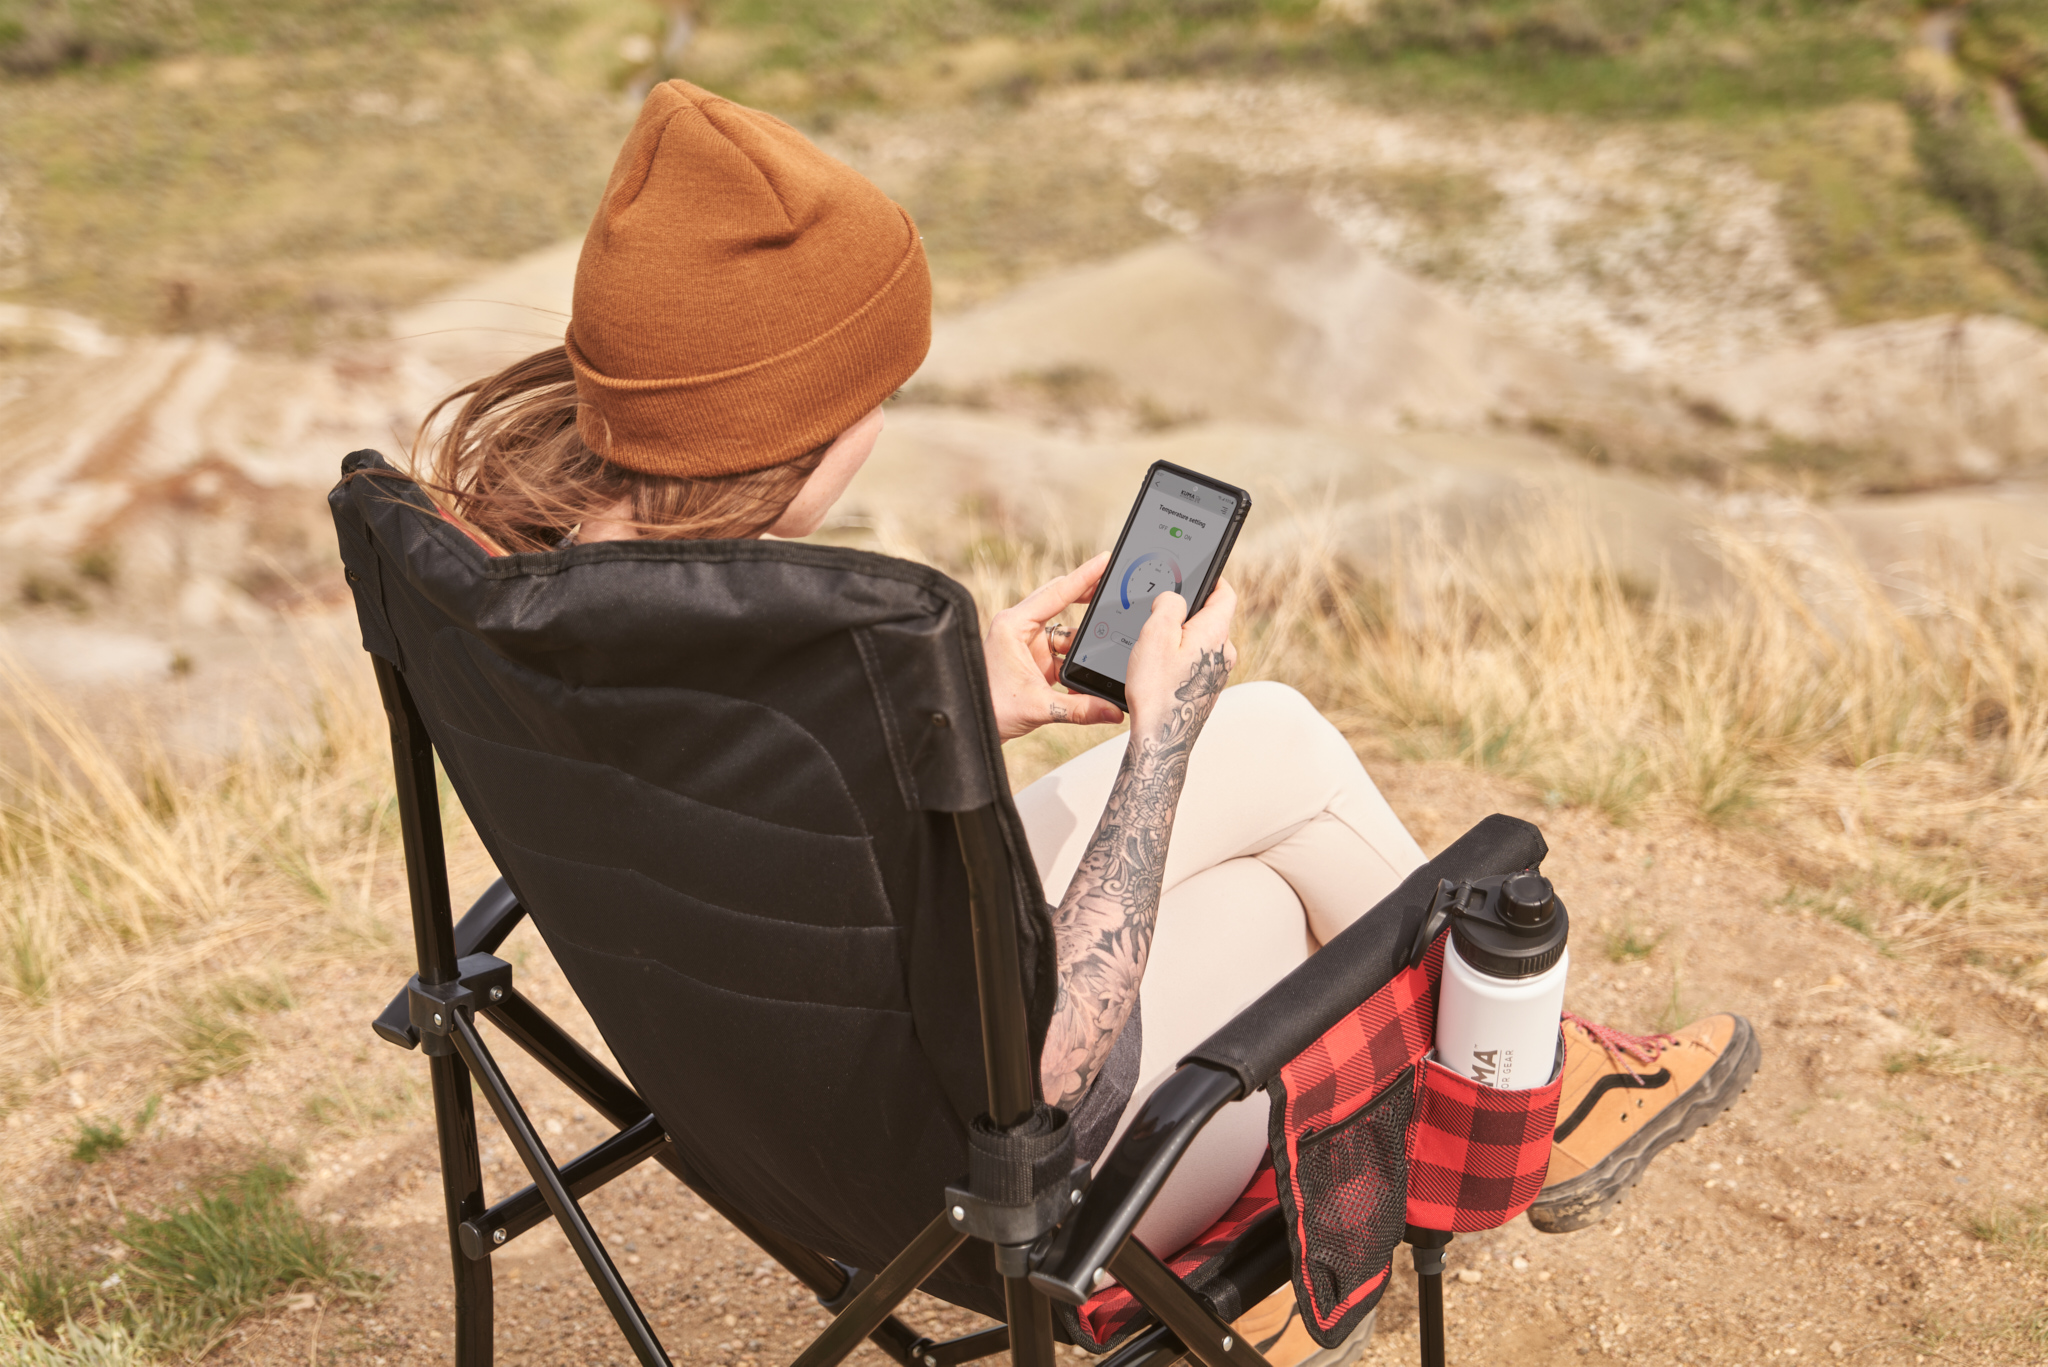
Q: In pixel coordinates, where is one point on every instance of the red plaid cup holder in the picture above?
(1367, 1136)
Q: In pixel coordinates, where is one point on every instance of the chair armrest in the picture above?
(1130, 1177)
(1253, 1046)
(481, 930)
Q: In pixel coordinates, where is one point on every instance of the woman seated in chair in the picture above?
(743, 306)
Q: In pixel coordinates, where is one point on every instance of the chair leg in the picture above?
(569, 1216)
(1428, 1247)
(867, 1310)
(1209, 1340)
(1031, 1341)
(462, 1185)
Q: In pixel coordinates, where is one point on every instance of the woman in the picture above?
(743, 305)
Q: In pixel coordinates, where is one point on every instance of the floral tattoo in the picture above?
(1103, 928)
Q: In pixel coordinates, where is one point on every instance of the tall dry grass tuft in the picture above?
(133, 876)
(1884, 740)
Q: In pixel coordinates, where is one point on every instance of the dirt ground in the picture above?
(1826, 1216)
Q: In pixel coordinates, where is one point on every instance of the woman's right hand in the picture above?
(1180, 663)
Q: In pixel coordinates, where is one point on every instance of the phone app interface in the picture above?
(1177, 529)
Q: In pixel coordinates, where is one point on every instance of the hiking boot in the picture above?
(1629, 1097)
(1273, 1326)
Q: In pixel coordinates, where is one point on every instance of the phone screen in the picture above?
(1175, 531)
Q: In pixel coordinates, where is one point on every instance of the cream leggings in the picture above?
(1281, 841)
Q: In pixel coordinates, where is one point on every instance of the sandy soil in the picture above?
(1826, 1216)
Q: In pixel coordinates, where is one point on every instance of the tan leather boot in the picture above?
(1273, 1326)
(1629, 1097)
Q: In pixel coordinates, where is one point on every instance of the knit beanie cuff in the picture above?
(767, 411)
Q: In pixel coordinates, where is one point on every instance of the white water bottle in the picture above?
(1503, 983)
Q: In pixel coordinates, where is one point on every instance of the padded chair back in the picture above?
(720, 776)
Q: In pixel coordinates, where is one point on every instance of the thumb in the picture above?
(1172, 608)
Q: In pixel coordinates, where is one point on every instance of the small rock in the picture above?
(1468, 1275)
(1836, 1348)
(1520, 1264)
(1952, 1160)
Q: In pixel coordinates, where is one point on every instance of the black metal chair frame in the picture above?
(1062, 1248)
(460, 981)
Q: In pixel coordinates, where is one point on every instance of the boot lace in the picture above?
(1620, 1046)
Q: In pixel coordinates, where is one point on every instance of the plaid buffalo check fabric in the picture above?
(1339, 1137)
(1479, 1154)
(1368, 1137)
(1111, 1313)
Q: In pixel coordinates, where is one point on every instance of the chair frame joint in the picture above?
(1016, 1226)
(481, 981)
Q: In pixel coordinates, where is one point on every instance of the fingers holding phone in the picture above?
(1178, 534)
(1023, 649)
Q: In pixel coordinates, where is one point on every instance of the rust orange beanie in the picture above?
(742, 298)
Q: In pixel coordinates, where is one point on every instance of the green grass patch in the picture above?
(197, 1271)
(96, 1139)
(1980, 168)
(2019, 1232)
(210, 1036)
(102, 1344)
(208, 1042)
(1627, 944)
(190, 1274)
(2007, 40)
(41, 1286)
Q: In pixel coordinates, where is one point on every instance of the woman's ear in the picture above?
(842, 461)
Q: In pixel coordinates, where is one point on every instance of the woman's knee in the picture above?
(1280, 721)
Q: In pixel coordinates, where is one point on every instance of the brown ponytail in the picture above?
(512, 466)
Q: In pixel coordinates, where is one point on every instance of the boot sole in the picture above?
(1584, 1200)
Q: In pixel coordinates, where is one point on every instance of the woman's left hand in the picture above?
(1024, 652)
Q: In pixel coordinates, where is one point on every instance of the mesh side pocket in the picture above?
(1353, 1181)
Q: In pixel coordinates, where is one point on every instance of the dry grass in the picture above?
(137, 891)
(1886, 743)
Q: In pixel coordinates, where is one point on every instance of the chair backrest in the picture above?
(720, 776)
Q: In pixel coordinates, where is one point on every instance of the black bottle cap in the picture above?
(1513, 927)
(1527, 900)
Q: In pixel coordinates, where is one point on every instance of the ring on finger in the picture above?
(1058, 634)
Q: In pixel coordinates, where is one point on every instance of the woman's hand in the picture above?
(1024, 658)
(1180, 661)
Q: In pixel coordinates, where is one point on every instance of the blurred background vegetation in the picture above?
(289, 172)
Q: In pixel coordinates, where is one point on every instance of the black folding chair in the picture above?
(751, 796)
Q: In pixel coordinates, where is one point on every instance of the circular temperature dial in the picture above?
(1151, 574)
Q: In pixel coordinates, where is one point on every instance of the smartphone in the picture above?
(1176, 539)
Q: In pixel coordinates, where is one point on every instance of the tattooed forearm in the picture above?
(1103, 929)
